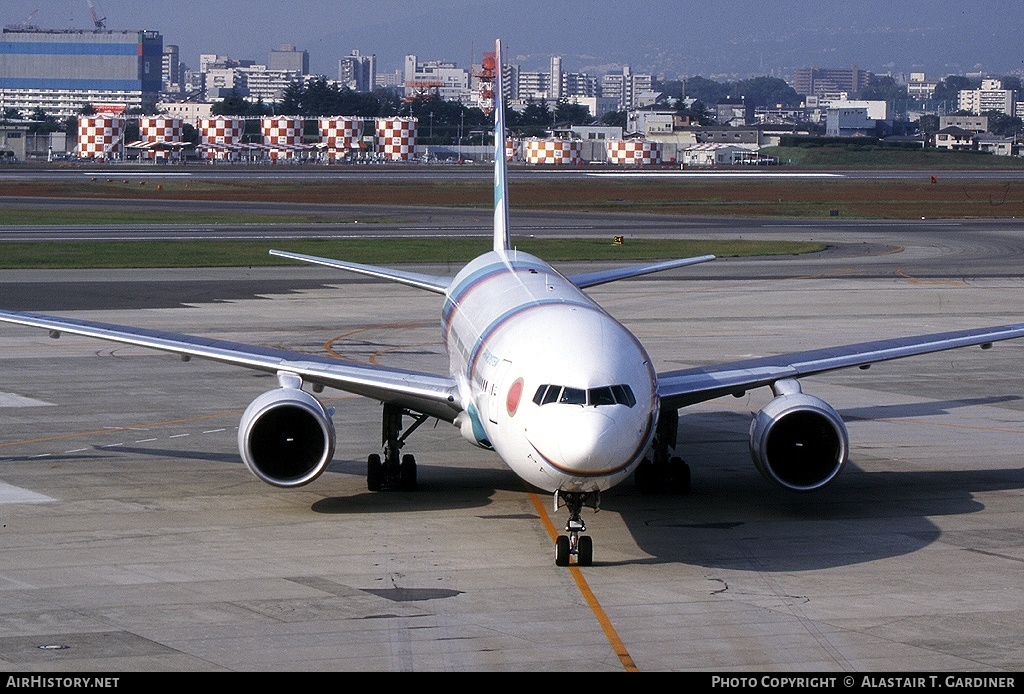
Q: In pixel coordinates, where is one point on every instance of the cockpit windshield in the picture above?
(620, 394)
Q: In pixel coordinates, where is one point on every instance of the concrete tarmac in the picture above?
(133, 538)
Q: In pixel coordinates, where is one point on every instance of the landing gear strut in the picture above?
(391, 469)
(574, 544)
(662, 471)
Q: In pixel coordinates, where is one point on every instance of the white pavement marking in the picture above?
(15, 400)
(9, 494)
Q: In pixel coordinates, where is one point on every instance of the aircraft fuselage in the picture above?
(563, 392)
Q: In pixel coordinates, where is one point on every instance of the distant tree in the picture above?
(189, 133)
(614, 118)
(442, 121)
(231, 105)
(1002, 124)
(41, 122)
(573, 114)
(929, 124)
(1013, 82)
(532, 121)
(884, 88)
(949, 88)
(695, 111)
(673, 89)
(705, 90)
(11, 114)
(765, 91)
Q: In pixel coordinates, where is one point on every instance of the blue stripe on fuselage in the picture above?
(458, 293)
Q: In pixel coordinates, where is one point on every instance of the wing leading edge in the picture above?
(433, 395)
(689, 386)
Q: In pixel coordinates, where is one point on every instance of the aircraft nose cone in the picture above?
(584, 441)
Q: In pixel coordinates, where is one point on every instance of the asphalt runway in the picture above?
(133, 539)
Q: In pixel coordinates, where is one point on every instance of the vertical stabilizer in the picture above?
(502, 236)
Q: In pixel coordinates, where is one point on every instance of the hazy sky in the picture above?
(724, 39)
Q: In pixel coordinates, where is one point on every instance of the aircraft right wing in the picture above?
(592, 279)
(436, 396)
(689, 386)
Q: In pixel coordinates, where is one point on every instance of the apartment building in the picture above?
(626, 87)
(991, 97)
(450, 81)
(817, 81)
(358, 72)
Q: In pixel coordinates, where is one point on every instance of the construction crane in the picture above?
(98, 22)
(28, 21)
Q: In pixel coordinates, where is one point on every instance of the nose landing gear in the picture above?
(575, 544)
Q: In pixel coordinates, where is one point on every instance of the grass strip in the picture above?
(241, 253)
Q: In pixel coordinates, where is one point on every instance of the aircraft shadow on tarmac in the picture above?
(735, 519)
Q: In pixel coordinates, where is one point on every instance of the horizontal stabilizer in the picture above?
(591, 279)
(432, 283)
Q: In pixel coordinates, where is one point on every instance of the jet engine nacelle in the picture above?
(799, 441)
(286, 437)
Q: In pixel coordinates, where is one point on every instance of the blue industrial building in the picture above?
(62, 71)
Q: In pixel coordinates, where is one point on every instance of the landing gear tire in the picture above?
(407, 473)
(374, 473)
(679, 475)
(672, 475)
(562, 551)
(585, 551)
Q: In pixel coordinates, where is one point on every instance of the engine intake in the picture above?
(799, 442)
(286, 437)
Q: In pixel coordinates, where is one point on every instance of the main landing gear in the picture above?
(574, 544)
(392, 470)
(662, 471)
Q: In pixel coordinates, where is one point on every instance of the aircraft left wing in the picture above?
(689, 386)
(431, 283)
(436, 396)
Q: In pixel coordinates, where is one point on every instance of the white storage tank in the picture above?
(159, 130)
(100, 137)
(553, 151)
(282, 135)
(340, 135)
(221, 136)
(396, 138)
(633, 152)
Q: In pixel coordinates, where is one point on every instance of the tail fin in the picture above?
(502, 235)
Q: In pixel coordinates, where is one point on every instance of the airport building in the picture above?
(63, 71)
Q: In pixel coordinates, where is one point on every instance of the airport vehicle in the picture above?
(542, 375)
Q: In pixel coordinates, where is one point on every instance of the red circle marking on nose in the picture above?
(515, 394)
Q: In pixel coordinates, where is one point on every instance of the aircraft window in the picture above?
(624, 395)
(601, 396)
(573, 396)
(595, 397)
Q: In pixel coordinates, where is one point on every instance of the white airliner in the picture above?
(560, 390)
